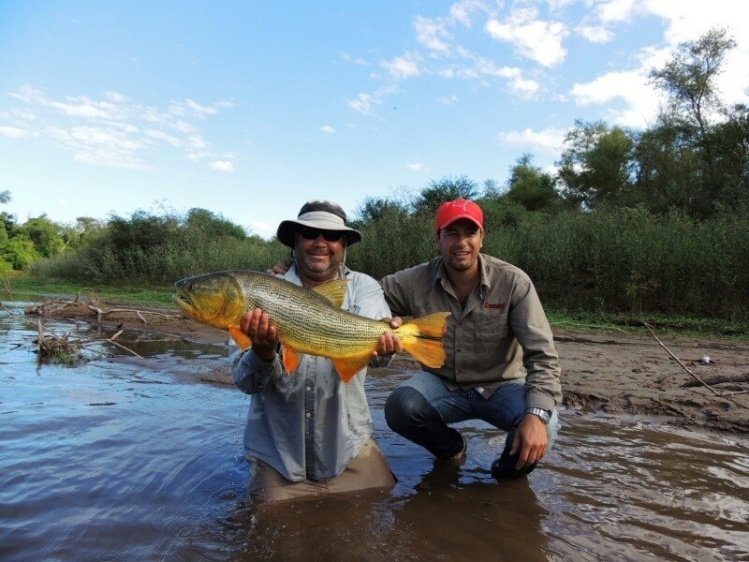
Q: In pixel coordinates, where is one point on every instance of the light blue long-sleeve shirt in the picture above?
(309, 424)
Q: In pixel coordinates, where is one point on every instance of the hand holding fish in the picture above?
(264, 336)
(389, 343)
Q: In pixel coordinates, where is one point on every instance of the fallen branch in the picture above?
(99, 312)
(50, 345)
(703, 383)
(719, 379)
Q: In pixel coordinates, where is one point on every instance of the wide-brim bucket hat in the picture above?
(322, 215)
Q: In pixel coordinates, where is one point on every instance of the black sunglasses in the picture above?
(312, 233)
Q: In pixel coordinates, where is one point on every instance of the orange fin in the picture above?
(240, 338)
(290, 359)
(432, 325)
(422, 338)
(334, 291)
(429, 352)
(347, 367)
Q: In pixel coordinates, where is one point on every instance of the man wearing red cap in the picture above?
(501, 366)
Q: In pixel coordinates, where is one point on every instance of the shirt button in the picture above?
(309, 388)
(309, 415)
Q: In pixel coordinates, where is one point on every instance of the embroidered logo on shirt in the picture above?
(498, 305)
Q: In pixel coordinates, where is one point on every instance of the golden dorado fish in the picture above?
(307, 321)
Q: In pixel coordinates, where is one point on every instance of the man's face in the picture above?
(460, 244)
(317, 256)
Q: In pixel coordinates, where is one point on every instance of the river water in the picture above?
(140, 459)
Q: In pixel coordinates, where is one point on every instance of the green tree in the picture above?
(595, 168)
(688, 80)
(667, 174)
(212, 225)
(45, 235)
(446, 189)
(531, 187)
(377, 209)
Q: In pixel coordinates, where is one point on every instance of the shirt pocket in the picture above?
(490, 325)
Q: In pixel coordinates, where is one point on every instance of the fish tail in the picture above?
(422, 338)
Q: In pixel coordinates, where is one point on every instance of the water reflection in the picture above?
(126, 458)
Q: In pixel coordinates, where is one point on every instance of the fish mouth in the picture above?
(183, 301)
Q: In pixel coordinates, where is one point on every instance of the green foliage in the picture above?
(394, 241)
(19, 252)
(45, 235)
(446, 189)
(212, 225)
(594, 169)
(161, 249)
(532, 188)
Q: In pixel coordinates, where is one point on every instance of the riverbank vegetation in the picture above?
(630, 225)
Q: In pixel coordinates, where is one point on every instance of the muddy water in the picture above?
(123, 458)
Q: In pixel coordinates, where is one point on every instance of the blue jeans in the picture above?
(422, 407)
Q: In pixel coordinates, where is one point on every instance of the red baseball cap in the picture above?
(459, 209)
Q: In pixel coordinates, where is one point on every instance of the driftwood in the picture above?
(699, 381)
(719, 379)
(52, 346)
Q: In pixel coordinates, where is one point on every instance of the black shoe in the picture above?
(459, 459)
(505, 467)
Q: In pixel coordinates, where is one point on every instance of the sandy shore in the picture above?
(611, 372)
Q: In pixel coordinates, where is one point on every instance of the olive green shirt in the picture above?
(500, 334)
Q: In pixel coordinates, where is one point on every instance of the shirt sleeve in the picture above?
(394, 288)
(251, 374)
(531, 328)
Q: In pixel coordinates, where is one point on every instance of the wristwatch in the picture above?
(545, 415)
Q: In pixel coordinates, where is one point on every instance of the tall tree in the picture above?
(688, 80)
(446, 189)
(531, 187)
(595, 168)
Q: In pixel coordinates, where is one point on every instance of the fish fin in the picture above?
(432, 325)
(334, 291)
(429, 352)
(240, 338)
(291, 359)
(422, 338)
(347, 367)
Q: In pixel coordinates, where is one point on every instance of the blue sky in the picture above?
(249, 109)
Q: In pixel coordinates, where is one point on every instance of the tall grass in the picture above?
(620, 261)
(163, 264)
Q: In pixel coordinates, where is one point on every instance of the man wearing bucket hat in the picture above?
(501, 367)
(307, 432)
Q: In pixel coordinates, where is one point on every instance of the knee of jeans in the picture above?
(405, 408)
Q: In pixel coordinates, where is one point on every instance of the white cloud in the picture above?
(363, 104)
(400, 68)
(13, 132)
(538, 40)
(112, 131)
(547, 140)
(354, 60)
(327, 129)
(222, 166)
(632, 88)
(416, 166)
(595, 34)
(432, 34)
(448, 100)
